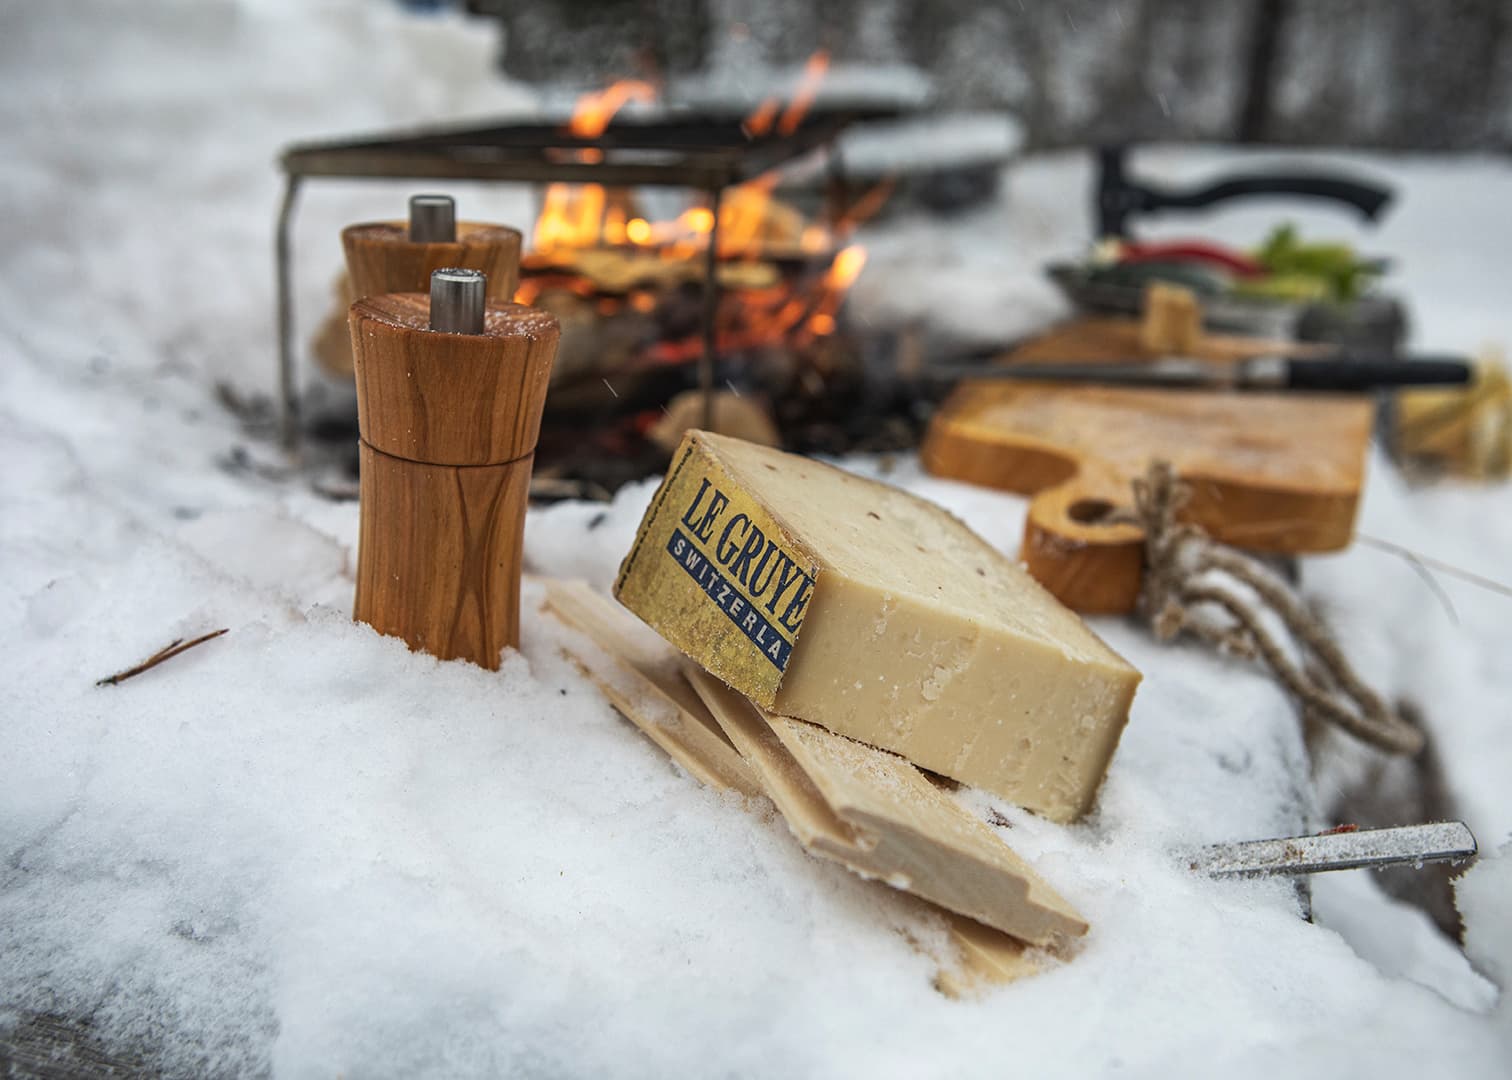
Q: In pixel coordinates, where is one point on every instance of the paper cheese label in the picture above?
(718, 577)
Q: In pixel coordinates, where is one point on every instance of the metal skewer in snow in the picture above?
(1346, 849)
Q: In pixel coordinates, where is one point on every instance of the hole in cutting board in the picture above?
(1090, 511)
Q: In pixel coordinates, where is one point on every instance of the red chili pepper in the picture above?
(1235, 262)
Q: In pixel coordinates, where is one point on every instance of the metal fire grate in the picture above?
(702, 153)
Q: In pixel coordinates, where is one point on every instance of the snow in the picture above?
(300, 848)
(936, 141)
(740, 82)
(1482, 899)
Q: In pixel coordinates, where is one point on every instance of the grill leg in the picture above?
(710, 314)
(837, 188)
(288, 389)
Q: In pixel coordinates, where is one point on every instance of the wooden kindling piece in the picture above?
(450, 389)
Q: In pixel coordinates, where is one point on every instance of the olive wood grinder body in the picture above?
(399, 257)
(449, 397)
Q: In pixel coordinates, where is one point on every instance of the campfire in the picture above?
(628, 289)
(698, 280)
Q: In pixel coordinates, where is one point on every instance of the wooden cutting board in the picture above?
(1268, 472)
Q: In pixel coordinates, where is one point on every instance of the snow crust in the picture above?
(1481, 896)
(301, 849)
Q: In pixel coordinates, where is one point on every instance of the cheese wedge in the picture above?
(839, 600)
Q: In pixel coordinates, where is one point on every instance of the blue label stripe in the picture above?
(737, 608)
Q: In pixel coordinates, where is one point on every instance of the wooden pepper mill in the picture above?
(449, 398)
(395, 257)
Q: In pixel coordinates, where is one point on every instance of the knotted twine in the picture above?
(1185, 568)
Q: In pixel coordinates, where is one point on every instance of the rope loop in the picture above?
(1186, 570)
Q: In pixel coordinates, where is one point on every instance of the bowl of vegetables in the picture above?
(1285, 288)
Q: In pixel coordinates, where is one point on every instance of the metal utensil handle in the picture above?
(1364, 375)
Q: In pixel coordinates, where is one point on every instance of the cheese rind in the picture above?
(717, 575)
(848, 603)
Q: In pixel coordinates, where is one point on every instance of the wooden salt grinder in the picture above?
(398, 257)
(449, 398)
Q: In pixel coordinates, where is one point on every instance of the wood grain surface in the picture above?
(450, 399)
(439, 554)
(448, 427)
(609, 638)
(381, 258)
(1268, 472)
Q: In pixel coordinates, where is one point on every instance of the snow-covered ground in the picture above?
(301, 847)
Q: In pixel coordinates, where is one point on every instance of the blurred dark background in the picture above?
(1396, 74)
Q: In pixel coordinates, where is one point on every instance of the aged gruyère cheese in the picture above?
(848, 603)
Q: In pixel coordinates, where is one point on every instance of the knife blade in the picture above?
(1440, 841)
(1343, 374)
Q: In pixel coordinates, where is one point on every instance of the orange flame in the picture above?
(866, 207)
(580, 215)
(751, 222)
(573, 215)
(846, 268)
(594, 111)
(838, 279)
(762, 118)
(808, 89)
(770, 113)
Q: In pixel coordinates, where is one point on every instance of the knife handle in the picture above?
(1365, 375)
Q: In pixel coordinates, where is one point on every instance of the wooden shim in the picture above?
(641, 676)
(878, 815)
(948, 855)
(986, 958)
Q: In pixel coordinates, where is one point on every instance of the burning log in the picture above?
(619, 271)
(734, 415)
(632, 314)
